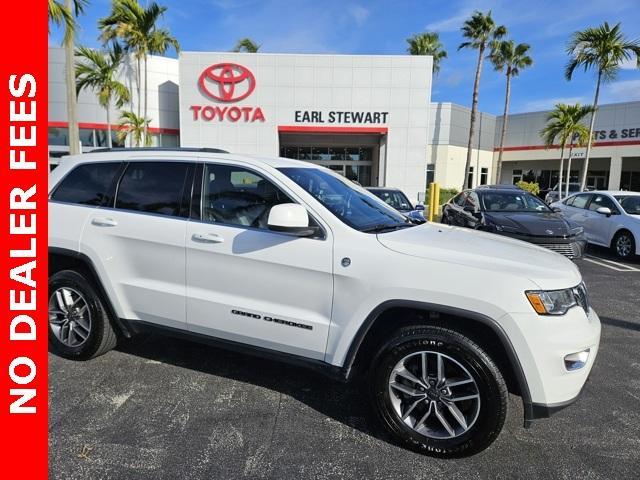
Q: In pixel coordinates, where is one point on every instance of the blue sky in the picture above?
(381, 27)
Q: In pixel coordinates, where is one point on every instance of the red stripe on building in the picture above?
(617, 143)
(103, 126)
(336, 130)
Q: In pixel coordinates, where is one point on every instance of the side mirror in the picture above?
(290, 218)
(557, 209)
(419, 206)
(604, 211)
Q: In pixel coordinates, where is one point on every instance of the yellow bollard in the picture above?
(432, 191)
(436, 199)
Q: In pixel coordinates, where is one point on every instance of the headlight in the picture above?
(558, 302)
(577, 231)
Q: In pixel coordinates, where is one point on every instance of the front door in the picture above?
(246, 283)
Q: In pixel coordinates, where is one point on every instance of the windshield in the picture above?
(394, 198)
(630, 203)
(352, 204)
(513, 202)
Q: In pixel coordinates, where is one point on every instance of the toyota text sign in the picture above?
(225, 83)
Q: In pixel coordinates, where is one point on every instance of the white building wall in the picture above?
(162, 86)
(399, 85)
(449, 136)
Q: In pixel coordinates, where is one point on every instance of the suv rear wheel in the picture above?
(79, 326)
(438, 392)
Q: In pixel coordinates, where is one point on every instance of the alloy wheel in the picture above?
(623, 245)
(434, 395)
(69, 317)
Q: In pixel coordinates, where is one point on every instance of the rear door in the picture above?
(246, 283)
(138, 241)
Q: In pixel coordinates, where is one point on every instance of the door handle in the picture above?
(207, 238)
(104, 222)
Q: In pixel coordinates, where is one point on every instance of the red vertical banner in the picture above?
(23, 241)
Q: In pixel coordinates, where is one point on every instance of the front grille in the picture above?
(580, 292)
(571, 250)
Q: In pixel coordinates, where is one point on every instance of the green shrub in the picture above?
(530, 187)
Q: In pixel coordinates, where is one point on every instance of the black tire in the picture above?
(490, 384)
(101, 337)
(445, 219)
(623, 244)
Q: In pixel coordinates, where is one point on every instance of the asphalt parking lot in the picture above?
(162, 408)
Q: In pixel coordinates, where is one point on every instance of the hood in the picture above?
(486, 251)
(543, 224)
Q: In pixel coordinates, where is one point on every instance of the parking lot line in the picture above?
(613, 265)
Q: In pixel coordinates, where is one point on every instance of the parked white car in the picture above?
(289, 260)
(610, 219)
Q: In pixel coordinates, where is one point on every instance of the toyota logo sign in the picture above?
(227, 82)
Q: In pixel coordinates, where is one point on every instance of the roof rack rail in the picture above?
(162, 149)
(500, 187)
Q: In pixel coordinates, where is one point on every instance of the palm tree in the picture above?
(137, 27)
(427, 43)
(134, 126)
(246, 45)
(65, 15)
(509, 58)
(97, 71)
(603, 48)
(480, 30)
(564, 126)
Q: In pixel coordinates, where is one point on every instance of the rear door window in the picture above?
(88, 184)
(581, 201)
(153, 187)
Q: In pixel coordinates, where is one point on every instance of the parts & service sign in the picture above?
(23, 241)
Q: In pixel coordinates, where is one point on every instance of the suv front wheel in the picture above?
(438, 392)
(79, 326)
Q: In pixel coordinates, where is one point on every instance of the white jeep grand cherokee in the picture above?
(290, 261)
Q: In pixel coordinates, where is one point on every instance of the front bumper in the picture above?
(542, 343)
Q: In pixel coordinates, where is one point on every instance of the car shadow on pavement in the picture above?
(344, 402)
(615, 322)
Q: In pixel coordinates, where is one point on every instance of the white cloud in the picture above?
(452, 23)
(629, 64)
(622, 91)
(549, 103)
(359, 14)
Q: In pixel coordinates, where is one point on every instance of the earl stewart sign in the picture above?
(316, 116)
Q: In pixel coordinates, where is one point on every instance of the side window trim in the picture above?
(110, 191)
(198, 199)
(183, 200)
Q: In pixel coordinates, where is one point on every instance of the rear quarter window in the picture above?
(88, 184)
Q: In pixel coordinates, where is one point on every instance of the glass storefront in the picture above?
(355, 163)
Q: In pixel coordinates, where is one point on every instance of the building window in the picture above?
(355, 163)
(516, 176)
(169, 140)
(86, 137)
(470, 178)
(58, 136)
(101, 139)
(484, 175)
(431, 174)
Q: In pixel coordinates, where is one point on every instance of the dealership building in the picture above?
(368, 117)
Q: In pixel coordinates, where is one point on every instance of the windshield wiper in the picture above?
(385, 227)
